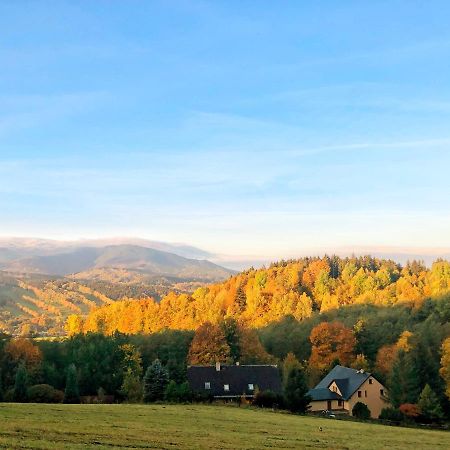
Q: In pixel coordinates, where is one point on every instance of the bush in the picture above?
(391, 414)
(44, 393)
(410, 410)
(178, 393)
(266, 399)
(8, 395)
(361, 411)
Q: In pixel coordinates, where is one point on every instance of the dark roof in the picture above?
(348, 380)
(323, 394)
(266, 377)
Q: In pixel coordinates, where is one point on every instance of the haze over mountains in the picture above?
(58, 258)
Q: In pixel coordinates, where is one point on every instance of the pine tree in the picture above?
(295, 391)
(20, 385)
(230, 329)
(404, 387)
(155, 381)
(240, 299)
(429, 405)
(289, 363)
(71, 393)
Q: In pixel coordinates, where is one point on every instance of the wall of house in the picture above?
(322, 405)
(371, 396)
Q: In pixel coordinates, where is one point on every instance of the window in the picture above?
(365, 393)
(339, 402)
(207, 385)
(370, 381)
(250, 387)
(381, 392)
(226, 387)
(359, 394)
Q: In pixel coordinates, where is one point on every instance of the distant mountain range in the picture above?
(54, 258)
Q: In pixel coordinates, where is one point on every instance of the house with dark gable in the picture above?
(233, 381)
(343, 387)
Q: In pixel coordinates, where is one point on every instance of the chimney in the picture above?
(217, 366)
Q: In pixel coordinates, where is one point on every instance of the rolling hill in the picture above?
(42, 282)
(130, 257)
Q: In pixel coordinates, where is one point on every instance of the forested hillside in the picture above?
(311, 314)
(32, 305)
(297, 288)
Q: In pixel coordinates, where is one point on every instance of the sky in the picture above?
(269, 129)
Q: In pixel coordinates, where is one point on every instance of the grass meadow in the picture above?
(25, 426)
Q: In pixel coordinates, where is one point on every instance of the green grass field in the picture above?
(194, 427)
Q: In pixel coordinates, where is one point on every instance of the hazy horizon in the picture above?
(259, 133)
(230, 260)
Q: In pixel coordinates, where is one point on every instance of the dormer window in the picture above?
(251, 387)
(207, 385)
(226, 387)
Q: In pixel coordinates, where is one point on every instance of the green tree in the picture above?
(403, 383)
(155, 381)
(289, 363)
(178, 393)
(230, 329)
(71, 393)
(20, 384)
(296, 391)
(429, 405)
(131, 387)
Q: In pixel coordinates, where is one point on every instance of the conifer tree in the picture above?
(296, 390)
(289, 363)
(230, 329)
(429, 405)
(240, 299)
(155, 381)
(71, 393)
(403, 383)
(20, 385)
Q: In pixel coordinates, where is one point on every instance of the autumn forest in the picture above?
(312, 313)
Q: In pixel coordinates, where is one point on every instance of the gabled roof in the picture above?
(323, 394)
(348, 380)
(236, 377)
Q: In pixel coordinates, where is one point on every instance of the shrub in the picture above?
(178, 393)
(266, 399)
(361, 411)
(391, 414)
(410, 410)
(44, 393)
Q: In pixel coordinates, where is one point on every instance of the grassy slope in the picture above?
(192, 427)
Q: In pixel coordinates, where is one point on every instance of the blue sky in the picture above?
(247, 128)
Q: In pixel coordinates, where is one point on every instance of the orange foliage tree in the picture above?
(331, 342)
(209, 345)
